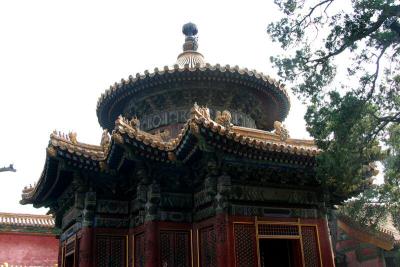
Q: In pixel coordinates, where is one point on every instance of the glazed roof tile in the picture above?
(66, 143)
(16, 219)
(155, 147)
(111, 98)
(202, 67)
(246, 136)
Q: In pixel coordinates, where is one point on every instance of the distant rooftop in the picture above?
(25, 220)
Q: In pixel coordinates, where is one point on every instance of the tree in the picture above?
(343, 61)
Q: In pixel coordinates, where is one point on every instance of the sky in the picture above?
(58, 57)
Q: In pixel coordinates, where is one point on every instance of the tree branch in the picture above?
(312, 9)
(355, 37)
(371, 92)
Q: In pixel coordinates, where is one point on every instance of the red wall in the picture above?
(28, 249)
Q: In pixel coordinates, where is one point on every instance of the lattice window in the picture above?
(102, 251)
(310, 246)
(278, 229)
(139, 250)
(167, 248)
(110, 251)
(117, 251)
(245, 245)
(182, 250)
(175, 248)
(207, 247)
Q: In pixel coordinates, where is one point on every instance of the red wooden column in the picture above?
(325, 243)
(86, 247)
(221, 234)
(151, 244)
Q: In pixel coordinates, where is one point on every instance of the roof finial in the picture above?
(190, 30)
(190, 57)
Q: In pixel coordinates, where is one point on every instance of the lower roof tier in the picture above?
(201, 135)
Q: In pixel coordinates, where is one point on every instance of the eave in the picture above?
(65, 152)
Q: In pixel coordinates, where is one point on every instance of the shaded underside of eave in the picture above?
(45, 182)
(57, 175)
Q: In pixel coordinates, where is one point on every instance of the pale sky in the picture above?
(58, 57)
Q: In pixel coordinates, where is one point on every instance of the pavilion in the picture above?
(194, 168)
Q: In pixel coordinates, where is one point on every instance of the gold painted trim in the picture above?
(300, 236)
(319, 245)
(191, 247)
(239, 222)
(279, 223)
(279, 237)
(303, 260)
(257, 242)
(198, 248)
(133, 250)
(127, 250)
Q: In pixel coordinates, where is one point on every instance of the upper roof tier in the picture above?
(164, 97)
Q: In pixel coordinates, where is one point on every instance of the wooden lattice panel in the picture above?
(167, 248)
(110, 251)
(117, 252)
(139, 256)
(245, 245)
(175, 248)
(182, 249)
(310, 246)
(207, 247)
(278, 230)
(102, 251)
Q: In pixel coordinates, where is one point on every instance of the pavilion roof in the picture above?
(219, 133)
(113, 100)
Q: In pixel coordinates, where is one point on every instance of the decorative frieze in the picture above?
(112, 206)
(243, 210)
(292, 196)
(178, 201)
(156, 120)
(175, 216)
(111, 222)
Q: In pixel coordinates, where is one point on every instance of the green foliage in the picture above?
(343, 60)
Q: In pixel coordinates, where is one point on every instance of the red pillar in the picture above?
(151, 244)
(221, 232)
(326, 244)
(86, 248)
